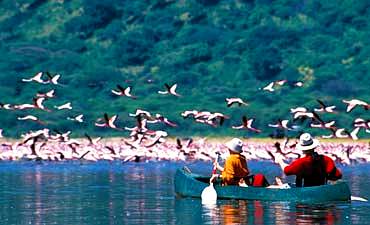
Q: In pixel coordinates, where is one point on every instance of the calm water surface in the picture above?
(143, 193)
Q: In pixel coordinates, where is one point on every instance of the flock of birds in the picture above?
(145, 144)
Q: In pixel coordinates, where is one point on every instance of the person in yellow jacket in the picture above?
(235, 170)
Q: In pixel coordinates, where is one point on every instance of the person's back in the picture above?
(235, 168)
(313, 170)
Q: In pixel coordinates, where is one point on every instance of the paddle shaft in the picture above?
(214, 170)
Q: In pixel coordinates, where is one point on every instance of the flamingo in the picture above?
(202, 115)
(49, 94)
(78, 118)
(304, 115)
(93, 142)
(165, 120)
(220, 116)
(359, 122)
(324, 107)
(298, 109)
(343, 133)
(36, 78)
(32, 118)
(159, 138)
(269, 87)
(62, 137)
(231, 101)
(6, 106)
(247, 124)
(37, 104)
(355, 102)
(108, 122)
(282, 124)
(280, 82)
(123, 92)
(141, 113)
(64, 106)
(170, 90)
(296, 83)
(179, 143)
(188, 113)
(206, 121)
(53, 79)
(327, 125)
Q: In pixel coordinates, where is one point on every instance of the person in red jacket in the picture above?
(313, 169)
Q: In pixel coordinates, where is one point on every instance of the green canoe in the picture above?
(191, 185)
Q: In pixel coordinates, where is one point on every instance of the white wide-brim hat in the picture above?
(235, 145)
(306, 142)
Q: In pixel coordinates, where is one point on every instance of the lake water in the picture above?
(143, 193)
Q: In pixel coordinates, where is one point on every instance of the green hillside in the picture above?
(213, 49)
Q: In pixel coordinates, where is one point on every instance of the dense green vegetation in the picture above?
(213, 49)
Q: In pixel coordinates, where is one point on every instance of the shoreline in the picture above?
(211, 139)
(199, 148)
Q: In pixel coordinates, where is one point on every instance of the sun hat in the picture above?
(235, 145)
(306, 142)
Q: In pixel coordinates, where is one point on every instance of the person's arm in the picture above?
(295, 168)
(333, 173)
(280, 161)
(220, 168)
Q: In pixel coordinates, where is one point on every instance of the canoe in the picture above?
(188, 184)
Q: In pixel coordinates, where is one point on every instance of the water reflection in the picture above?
(257, 212)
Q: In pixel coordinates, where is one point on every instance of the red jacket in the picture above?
(313, 170)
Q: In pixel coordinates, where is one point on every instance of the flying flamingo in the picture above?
(298, 109)
(49, 94)
(324, 107)
(165, 120)
(32, 118)
(213, 117)
(53, 79)
(282, 124)
(78, 118)
(123, 92)
(36, 78)
(170, 90)
(231, 101)
(37, 104)
(93, 142)
(269, 87)
(342, 133)
(159, 138)
(6, 106)
(64, 106)
(303, 115)
(359, 122)
(141, 113)
(327, 125)
(108, 122)
(355, 102)
(188, 113)
(247, 124)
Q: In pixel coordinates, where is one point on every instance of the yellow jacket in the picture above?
(235, 168)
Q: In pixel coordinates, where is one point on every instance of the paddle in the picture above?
(209, 194)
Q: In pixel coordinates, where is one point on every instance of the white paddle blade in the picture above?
(209, 195)
(355, 198)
